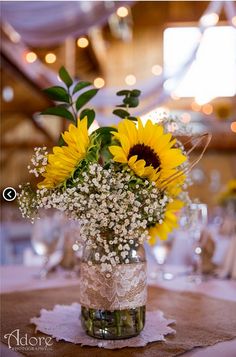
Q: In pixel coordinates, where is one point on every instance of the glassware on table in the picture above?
(47, 238)
(160, 252)
(198, 219)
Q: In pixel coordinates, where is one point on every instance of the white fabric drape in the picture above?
(49, 23)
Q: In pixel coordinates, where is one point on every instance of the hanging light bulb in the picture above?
(82, 42)
(50, 58)
(130, 79)
(122, 11)
(99, 82)
(156, 70)
(30, 57)
(233, 126)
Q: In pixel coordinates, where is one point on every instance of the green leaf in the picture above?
(133, 118)
(90, 113)
(123, 92)
(132, 102)
(104, 130)
(121, 113)
(65, 77)
(60, 112)
(105, 134)
(61, 141)
(57, 93)
(85, 98)
(81, 85)
(121, 105)
(135, 93)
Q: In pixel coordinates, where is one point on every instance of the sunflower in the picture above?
(147, 150)
(169, 223)
(65, 159)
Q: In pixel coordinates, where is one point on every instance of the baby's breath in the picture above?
(114, 210)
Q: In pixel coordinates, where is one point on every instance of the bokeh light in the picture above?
(196, 107)
(207, 109)
(82, 42)
(99, 82)
(233, 126)
(130, 79)
(30, 57)
(157, 70)
(122, 11)
(50, 58)
(7, 94)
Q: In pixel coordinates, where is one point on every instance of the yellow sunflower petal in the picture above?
(64, 160)
(118, 153)
(150, 145)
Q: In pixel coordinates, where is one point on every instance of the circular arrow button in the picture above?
(9, 194)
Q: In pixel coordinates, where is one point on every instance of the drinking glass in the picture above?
(198, 219)
(47, 238)
(160, 252)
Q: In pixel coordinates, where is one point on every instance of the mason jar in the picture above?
(113, 302)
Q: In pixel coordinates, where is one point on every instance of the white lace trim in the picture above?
(125, 287)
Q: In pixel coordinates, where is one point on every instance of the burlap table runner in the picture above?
(201, 321)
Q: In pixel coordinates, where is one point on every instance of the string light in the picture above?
(196, 107)
(233, 126)
(99, 82)
(130, 79)
(30, 57)
(209, 19)
(207, 109)
(82, 42)
(50, 58)
(7, 94)
(122, 11)
(156, 70)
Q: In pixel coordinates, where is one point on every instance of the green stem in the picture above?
(118, 322)
(72, 107)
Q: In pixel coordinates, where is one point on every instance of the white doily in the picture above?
(63, 323)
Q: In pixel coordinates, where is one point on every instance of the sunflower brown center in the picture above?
(145, 153)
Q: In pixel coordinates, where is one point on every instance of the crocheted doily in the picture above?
(63, 323)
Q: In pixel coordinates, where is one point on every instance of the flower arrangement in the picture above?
(125, 183)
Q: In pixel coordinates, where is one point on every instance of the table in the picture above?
(19, 278)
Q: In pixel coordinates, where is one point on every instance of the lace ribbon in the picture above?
(125, 287)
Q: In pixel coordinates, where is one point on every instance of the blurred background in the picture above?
(182, 55)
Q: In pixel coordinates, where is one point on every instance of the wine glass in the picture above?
(160, 252)
(198, 218)
(47, 238)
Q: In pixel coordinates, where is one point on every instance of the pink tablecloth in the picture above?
(18, 278)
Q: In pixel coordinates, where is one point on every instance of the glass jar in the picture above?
(113, 303)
